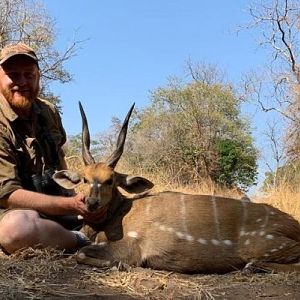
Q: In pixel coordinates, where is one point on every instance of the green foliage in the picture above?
(237, 163)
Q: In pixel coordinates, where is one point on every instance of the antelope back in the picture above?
(195, 233)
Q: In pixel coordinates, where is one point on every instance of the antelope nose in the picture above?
(92, 203)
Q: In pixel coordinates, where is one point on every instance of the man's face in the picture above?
(19, 82)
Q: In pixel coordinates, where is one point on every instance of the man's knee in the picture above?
(18, 229)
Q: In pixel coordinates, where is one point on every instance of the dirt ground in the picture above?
(49, 274)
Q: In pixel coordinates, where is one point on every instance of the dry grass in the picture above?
(163, 182)
(74, 162)
(49, 274)
(284, 199)
(31, 273)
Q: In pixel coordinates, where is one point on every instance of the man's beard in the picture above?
(20, 103)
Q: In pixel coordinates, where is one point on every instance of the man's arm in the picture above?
(47, 204)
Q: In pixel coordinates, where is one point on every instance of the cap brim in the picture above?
(34, 58)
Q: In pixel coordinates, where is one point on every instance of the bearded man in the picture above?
(35, 211)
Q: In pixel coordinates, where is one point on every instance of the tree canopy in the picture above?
(193, 131)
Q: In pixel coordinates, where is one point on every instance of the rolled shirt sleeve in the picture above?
(9, 179)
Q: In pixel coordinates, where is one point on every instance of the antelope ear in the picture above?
(133, 184)
(67, 179)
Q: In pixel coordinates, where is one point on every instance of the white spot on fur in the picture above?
(244, 218)
(262, 233)
(216, 242)
(266, 222)
(272, 213)
(269, 236)
(99, 243)
(216, 216)
(81, 255)
(247, 242)
(253, 233)
(102, 243)
(132, 234)
(189, 238)
(180, 234)
(248, 265)
(282, 246)
(258, 220)
(162, 227)
(228, 242)
(170, 229)
(242, 232)
(183, 213)
(156, 224)
(274, 250)
(266, 255)
(148, 206)
(202, 241)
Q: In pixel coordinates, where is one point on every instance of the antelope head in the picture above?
(101, 177)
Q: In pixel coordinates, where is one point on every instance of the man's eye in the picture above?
(29, 75)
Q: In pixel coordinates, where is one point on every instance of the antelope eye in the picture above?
(84, 180)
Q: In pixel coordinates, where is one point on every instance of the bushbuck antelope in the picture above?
(175, 231)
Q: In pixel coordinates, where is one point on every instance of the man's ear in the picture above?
(67, 179)
(133, 184)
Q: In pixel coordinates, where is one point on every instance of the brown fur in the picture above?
(165, 241)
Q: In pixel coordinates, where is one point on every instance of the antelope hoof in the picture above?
(93, 251)
(82, 258)
(254, 267)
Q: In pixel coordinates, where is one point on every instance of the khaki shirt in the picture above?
(29, 146)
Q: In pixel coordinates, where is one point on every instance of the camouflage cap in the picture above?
(17, 49)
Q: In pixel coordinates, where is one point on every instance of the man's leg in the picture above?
(25, 228)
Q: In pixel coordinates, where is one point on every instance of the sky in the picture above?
(132, 47)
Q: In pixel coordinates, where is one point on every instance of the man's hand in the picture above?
(79, 204)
